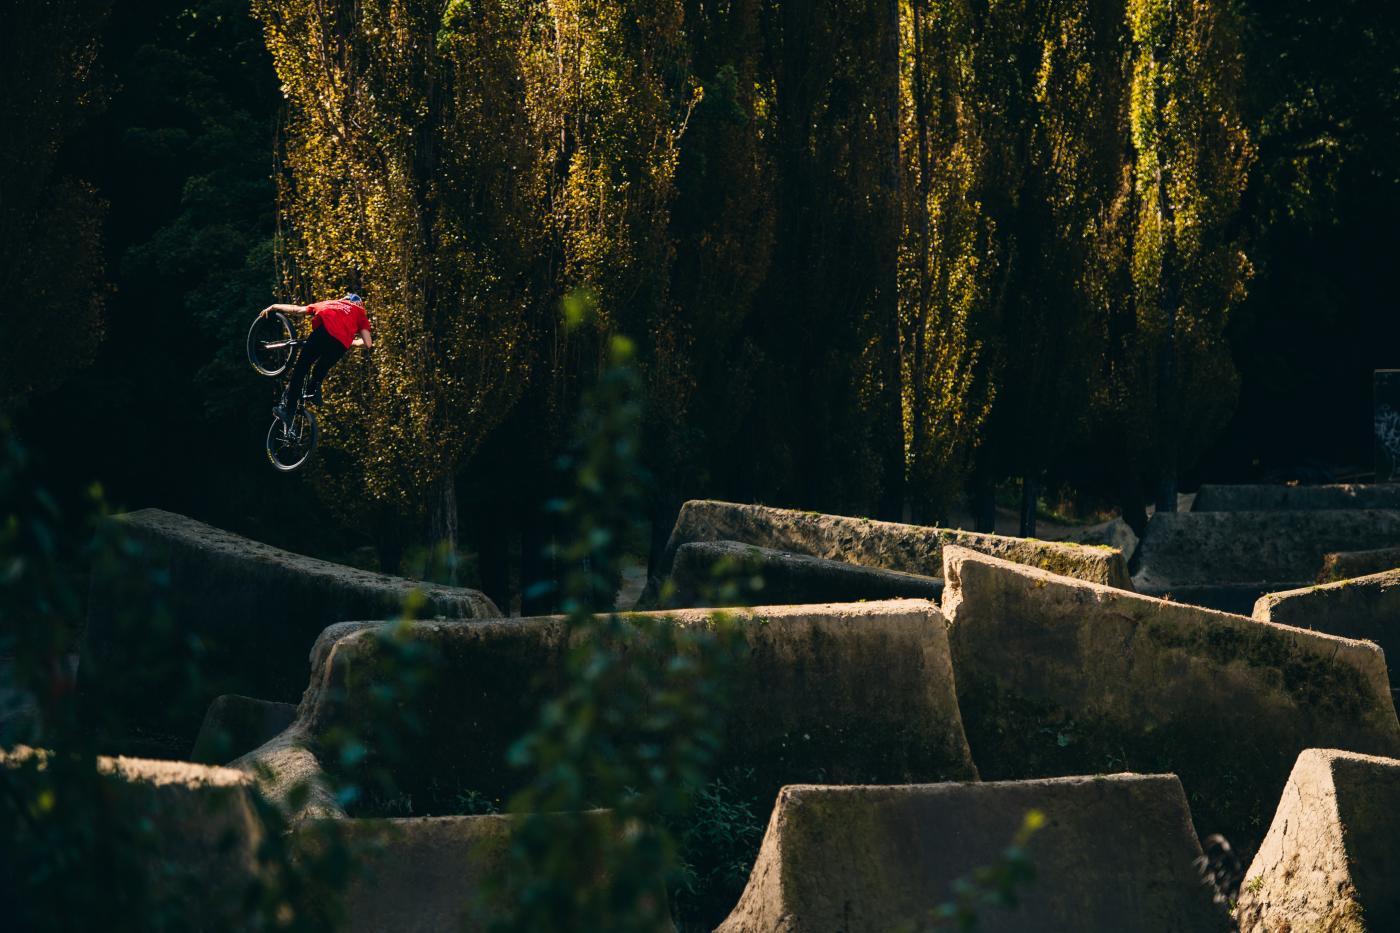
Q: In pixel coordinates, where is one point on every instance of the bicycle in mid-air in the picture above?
(272, 346)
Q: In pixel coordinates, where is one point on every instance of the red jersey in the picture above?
(343, 320)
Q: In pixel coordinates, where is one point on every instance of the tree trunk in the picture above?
(492, 539)
(984, 504)
(442, 530)
(388, 541)
(538, 581)
(1130, 500)
(892, 467)
(1030, 495)
(664, 511)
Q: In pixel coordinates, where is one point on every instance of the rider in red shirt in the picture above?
(336, 326)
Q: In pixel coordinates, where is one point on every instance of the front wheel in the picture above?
(289, 446)
(270, 343)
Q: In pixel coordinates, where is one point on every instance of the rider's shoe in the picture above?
(314, 396)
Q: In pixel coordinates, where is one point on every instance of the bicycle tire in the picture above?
(286, 454)
(270, 342)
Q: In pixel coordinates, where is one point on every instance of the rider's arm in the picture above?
(289, 309)
(364, 340)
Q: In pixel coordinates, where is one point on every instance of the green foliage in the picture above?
(51, 262)
(634, 730)
(1171, 377)
(947, 257)
(993, 885)
(85, 848)
(718, 842)
(1069, 217)
(410, 176)
(206, 103)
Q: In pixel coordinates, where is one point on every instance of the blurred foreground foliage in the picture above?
(84, 847)
(611, 771)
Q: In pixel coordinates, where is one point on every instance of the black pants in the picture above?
(320, 352)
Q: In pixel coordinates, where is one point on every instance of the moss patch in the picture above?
(1323, 686)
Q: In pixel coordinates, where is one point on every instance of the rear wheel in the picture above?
(270, 342)
(290, 445)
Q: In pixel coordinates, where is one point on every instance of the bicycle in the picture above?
(272, 345)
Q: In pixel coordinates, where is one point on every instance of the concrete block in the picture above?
(916, 549)
(254, 609)
(855, 692)
(1057, 676)
(1278, 498)
(1331, 859)
(1271, 550)
(1114, 854)
(1347, 565)
(1366, 608)
(787, 578)
(234, 725)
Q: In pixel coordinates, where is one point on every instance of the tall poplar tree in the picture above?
(411, 177)
(1189, 159)
(1012, 150)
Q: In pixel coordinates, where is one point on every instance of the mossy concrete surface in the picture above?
(855, 692)
(1248, 497)
(1275, 550)
(1366, 607)
(1347, 565)
(786, 578)
(1057, 676)
(423, 875)
(236, 724)
(1332, 856)
(253, 608)
(206, 832)
(430, 874)
(1114, 854)
(916, 549)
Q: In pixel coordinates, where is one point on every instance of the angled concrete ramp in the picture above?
(234, 725)
(431, 874)
(916, 549)
(1114, 856)
(206, 833)
(855, 692)
(1331, 860)
(255, 611)
(1366, 607)
(1348, 565)
(423, 875)
(703, 569)
(1227, 560)
(1248, 497)
(1058, 676)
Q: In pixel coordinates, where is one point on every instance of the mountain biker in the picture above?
(336, 326)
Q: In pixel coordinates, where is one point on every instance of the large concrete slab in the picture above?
(854, 692)
(205, 832)
(1114, 854)
(1239, 551)
(1276, 498)
(719, 573)
(253, 609)
(1058, 676)
(916, 549)
(1331, 860)
(432, 874)
(235, 725)
(1367, 607)
(424, 875)
(1347, 565)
